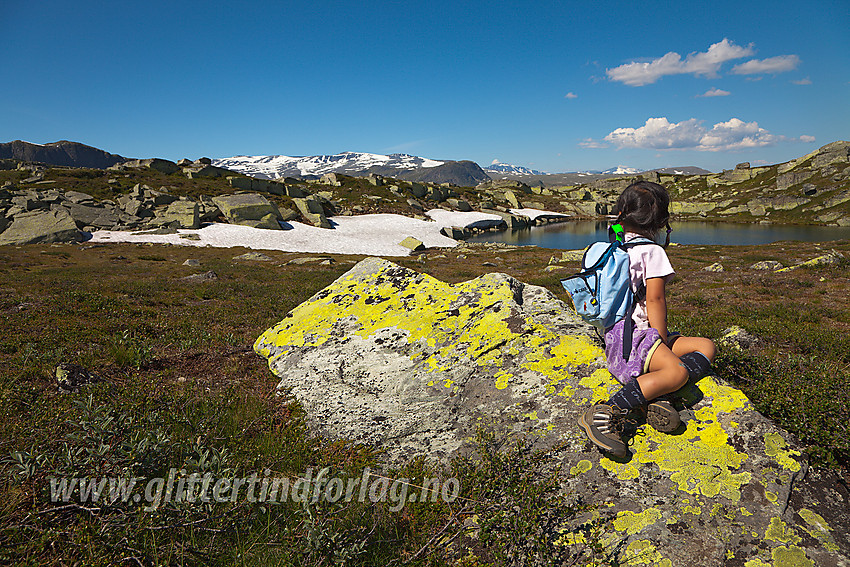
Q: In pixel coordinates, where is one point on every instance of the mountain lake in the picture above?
(574, 235)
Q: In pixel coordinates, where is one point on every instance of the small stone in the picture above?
(71, 377)
(767, 265)
(255, 256)
(199, 278)
(737, 338)
(716, 267)
(191, 262)
(310, 260)
(413, 244)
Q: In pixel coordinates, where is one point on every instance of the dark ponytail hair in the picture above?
(644, 205)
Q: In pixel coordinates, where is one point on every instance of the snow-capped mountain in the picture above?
(622, 170)
(276, 167)
(504, 168)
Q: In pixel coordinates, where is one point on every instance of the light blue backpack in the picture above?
(602, 293)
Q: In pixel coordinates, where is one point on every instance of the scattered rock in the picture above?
(249, 209)
(312, 260)
(200, 278)
(413, 244)
(253, 256)
(71, 377)
(455, 232)
(825, 260)
(572, 255)
(157, 164)
(311, 209)
(191, 262)
(737, 338)
(772, 265)
(41, 227)
(716, 267)
(184, 213)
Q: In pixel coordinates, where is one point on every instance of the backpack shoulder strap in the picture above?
(638, 242)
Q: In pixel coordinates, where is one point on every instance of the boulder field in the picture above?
(399, 360)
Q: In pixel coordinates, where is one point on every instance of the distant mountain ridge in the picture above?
(400, 166)
(278, 166)
(505, 168)
(62, 153)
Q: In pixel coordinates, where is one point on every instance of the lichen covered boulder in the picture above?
(397, 359)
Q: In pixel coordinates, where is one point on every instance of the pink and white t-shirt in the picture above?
(647, 261)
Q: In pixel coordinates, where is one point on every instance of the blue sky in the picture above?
(557, 86)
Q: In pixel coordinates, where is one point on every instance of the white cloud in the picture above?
(571, 95)
(713, 91)
(778, 64)
(707, 64)
(661, 134)
(592, 144)
(806, 81)
(494, 162)
(807, 139)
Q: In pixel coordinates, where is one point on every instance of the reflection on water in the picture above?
(578, 234)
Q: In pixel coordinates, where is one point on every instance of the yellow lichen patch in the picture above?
(745, 512)
(779, 531)
(445, 325)
(570, 539)
(695, 510)
(756, 563)
(700, 459)
(555, 362)
(601, 383)
(479, 311)
(581, 467)
(818, 529)
(776, 447)
(790, 557)
(772, 496)
(566, 392)
(502, 380)
(632, 523)
(642, 552)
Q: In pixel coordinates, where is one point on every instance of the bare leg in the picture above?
(684, 345)
(666, 373)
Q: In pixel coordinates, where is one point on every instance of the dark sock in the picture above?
(697, 364)
(629, 397)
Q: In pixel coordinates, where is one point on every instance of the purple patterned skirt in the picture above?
(644, 343)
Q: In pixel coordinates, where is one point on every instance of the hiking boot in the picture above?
(662, 416)
(604, 427)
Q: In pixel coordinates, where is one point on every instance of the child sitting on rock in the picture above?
(659, 362)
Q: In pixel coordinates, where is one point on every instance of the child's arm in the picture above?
(656, 305)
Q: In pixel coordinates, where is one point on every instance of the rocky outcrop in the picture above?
(396, 359)
(181, 214)
(249, 209)
(34, 227)
(311, 209)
